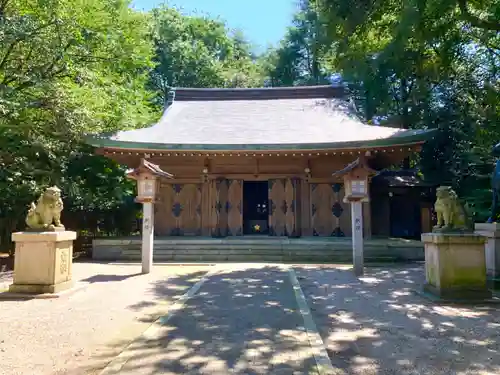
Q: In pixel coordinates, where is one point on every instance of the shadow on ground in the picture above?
(106, 278)
(242, 321)
(168, 291)
(377, 325)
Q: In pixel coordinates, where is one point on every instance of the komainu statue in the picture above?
(46, 213)
(451, 213)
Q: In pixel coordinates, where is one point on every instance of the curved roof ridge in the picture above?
(259, 93)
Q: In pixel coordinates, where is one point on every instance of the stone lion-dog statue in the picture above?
(451, 213)
(46, 213)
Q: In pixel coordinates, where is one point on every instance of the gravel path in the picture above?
(243, 320)
(83, 330)
(376, 325)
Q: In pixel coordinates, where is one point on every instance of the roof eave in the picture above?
(402, 141)
(360, 162)
(149, 168)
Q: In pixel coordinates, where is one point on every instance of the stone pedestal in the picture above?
(455, 267)
(492, 249)
(43, 262)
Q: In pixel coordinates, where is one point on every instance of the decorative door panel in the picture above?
(292, 197)
(283, 207)
(165, 222)
(227, 210)
(220, 208)
(188, 209)
(327, 210)
(234, 207)
(178, 211)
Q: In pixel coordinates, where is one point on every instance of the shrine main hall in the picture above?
(262, 162)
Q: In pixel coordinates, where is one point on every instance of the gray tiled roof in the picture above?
(285, 118)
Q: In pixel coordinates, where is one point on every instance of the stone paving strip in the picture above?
(241, 319)
(79, 333)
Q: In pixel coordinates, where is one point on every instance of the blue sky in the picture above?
(262, 21)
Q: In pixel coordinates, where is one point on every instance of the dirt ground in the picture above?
(83, 330)
(373, 325)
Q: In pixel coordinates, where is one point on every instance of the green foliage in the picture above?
(73, 67)
(198, 52)
(409, 64)
(419, 64)
(67, 67)
(296, 61)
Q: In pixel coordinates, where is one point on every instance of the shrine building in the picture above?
(262, 162)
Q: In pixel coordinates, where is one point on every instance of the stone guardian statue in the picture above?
(45, 215)
(451, 214)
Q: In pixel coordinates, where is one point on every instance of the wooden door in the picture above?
(284, 207)
(187, 209)
(228, 208)
(330, 216)
(178, 210)
(165, 223)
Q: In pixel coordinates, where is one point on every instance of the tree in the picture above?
(296, 60)
(424, 64)
(67, 67)
(196, 51)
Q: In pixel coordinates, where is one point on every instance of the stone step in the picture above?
(256, 251)
(261, 249)
(345, 258)
(240, 254)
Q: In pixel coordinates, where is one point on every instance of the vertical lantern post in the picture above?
(356, 193)
(147, 175)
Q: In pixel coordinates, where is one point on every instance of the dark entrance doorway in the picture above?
(255, 207)
(405, 217)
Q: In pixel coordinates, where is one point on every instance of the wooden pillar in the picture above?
(425, 218)
(367, 220)
(206, 209)
(297, 207)
(305, 222)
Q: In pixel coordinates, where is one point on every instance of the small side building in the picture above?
(260, 161)
(402, 204)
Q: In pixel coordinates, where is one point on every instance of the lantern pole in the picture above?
(147, 236)
(357, 237)
(146, 175)
(356, 184)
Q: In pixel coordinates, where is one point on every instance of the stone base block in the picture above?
(455, 267)
(431, 296)
(40, 289)
(459, 294)
(43, 262)
(492, 249)
(14, 294)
